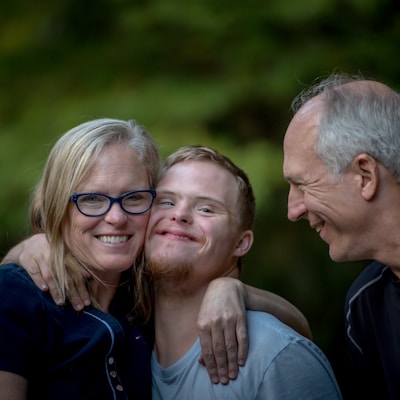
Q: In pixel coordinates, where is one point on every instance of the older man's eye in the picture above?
(302, 188)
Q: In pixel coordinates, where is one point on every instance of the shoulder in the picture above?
(23, 311)
(372, 300)
(370, 308)
(281, 353)
(13, 274)
(266, 330)
(258, 320)
(18, 290)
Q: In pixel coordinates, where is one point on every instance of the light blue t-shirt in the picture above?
(281, 364)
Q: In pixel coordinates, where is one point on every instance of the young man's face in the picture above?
(193, 230)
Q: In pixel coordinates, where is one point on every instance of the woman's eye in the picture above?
(92, 198)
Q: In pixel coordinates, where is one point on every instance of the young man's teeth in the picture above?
(113, 239)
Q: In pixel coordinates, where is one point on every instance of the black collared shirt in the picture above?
(373, 334)
(69, 355)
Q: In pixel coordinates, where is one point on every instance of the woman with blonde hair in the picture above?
(92, 202)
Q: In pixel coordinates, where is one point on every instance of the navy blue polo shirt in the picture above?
(69, 355)
(373, 334)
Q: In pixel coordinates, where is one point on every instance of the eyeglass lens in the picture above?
(95, 204)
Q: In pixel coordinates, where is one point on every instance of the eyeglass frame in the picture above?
(74, 199)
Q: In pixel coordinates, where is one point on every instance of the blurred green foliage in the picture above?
(219, 73)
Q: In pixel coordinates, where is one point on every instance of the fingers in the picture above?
(77, 294)
(226, 357)
(34, 272)
(223, 330)
(214, 355)
(34, 258)
(224, 349)
(207, 355)
(33, 255)
(242, 341)
(43, 277)
(53, 288)
(230, 347)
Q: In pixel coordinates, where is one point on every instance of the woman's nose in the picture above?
(116, 215)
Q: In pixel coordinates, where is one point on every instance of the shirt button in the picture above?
(120, 388)
(113, 374)
(111, 360)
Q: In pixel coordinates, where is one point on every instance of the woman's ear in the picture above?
(367, 169)
(244, 244)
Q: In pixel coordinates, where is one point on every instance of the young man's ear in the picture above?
(367, 168)
(244, 244)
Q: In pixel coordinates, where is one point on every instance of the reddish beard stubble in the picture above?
(169, 277)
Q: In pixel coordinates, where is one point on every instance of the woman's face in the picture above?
(110, 243)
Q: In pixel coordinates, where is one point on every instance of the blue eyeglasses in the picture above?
(97, 204)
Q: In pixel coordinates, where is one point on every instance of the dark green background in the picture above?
(220, 73)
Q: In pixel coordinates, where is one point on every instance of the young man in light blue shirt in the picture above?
(200, 227)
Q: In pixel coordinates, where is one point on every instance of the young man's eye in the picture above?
(205, 210)
(164, 202)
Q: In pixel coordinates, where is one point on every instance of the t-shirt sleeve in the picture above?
(300, 371)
